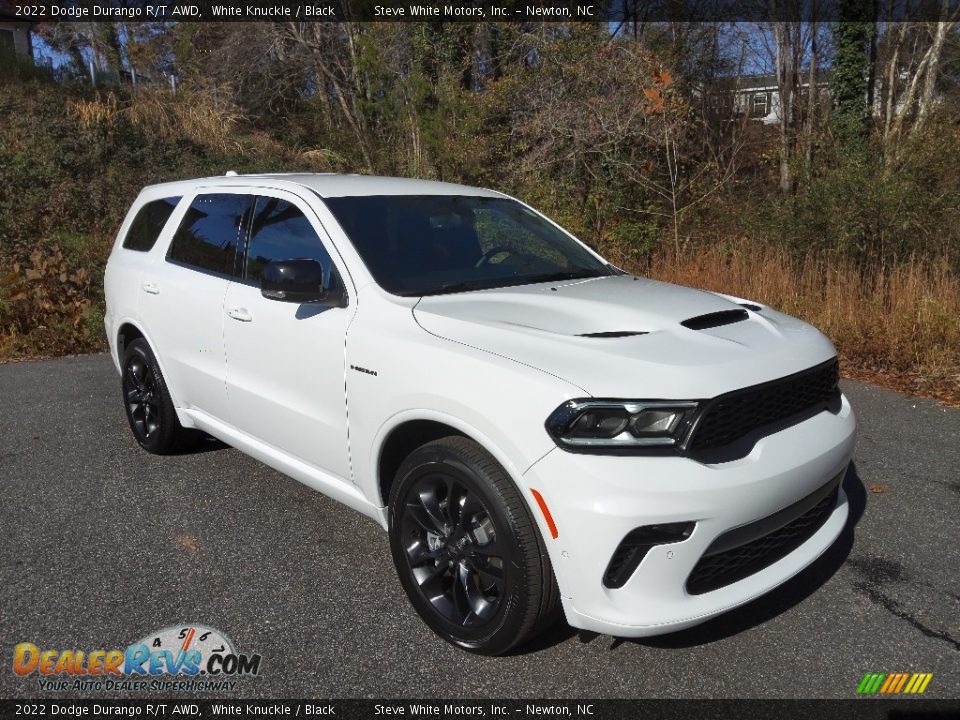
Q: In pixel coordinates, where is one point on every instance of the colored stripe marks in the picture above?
(894, 683)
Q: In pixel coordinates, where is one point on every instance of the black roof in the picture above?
(7, 11)
(751, 82)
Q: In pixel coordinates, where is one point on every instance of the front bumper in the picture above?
(596, 500)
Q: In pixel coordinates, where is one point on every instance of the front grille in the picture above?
(718, 570)
(733, 416)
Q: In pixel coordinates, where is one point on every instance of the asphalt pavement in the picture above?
(103, 543)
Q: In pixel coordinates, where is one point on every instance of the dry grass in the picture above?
(192, 113)
(101, 111)
(897, 326)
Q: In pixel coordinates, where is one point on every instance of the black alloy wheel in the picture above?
(452, 549)
(467, 550)
(143, 400)
(149, 407)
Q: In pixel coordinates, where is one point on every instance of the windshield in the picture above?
(432, 244)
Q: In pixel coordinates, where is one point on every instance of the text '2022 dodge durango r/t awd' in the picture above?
(538, 431)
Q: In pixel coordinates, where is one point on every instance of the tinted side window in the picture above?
(210, 233)
(148, 223)
(280, 231)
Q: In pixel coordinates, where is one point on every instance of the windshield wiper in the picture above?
(459, 286)
(565, 275)
(453, 287)
(467, 285)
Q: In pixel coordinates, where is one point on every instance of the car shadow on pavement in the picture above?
(208, 444)
(557, 633)
(754, 613)
(782, 598)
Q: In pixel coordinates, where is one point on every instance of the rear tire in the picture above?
(467, 551)
(149, 407)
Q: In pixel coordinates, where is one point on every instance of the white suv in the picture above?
(536, 429)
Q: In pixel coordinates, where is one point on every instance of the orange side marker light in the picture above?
(546, 513)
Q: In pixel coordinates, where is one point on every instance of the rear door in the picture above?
(182, 299)
(130, 257)
(285, 361)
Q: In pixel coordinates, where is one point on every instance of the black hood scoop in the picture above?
(715, 319)
(614, 334)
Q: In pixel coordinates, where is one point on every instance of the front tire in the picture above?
(468, 553)
(150, 412)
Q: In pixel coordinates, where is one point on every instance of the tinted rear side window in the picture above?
(148, 223)
(210, 233)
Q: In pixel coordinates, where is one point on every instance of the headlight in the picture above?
(621, 425)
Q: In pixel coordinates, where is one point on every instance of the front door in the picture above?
(285, 361)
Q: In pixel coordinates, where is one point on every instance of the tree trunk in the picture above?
(891, 86)
(786, 64)
(811, 97)
(872, 72)
(925, 74)
(930, 79)
(908, 101)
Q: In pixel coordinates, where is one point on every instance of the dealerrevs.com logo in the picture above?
(177, 658)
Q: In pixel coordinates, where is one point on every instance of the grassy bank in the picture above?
(72, 160)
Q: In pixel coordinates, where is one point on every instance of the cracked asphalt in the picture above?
(103, 543)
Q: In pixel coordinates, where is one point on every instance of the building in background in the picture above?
(15, 33)
(758, 97)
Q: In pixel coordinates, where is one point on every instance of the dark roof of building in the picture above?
(750, 82)
(7, 11)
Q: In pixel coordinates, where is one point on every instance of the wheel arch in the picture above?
(129, 330)
(402, 440)
(405, 432)
(126, 334)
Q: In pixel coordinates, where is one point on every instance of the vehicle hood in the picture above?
(554, 327)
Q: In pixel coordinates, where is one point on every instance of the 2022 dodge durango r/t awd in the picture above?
(538, 431)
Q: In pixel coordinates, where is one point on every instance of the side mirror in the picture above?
(300, 281)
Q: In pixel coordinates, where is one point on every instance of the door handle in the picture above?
(150, 288)
(240, 314)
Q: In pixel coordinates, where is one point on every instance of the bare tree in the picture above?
(787, 37)
(911, 78)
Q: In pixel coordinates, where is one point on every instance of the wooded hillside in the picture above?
(845, 211)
